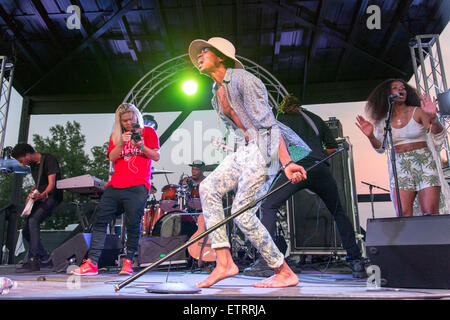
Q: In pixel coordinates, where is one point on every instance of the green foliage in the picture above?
(67, 145)
(99, 166)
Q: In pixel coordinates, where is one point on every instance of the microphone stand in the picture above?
(371, 186)
(388, 135)
(208, 231)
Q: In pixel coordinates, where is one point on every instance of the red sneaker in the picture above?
(86, 269)
(127, 268)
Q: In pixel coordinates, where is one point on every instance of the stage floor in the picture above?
(314, 285)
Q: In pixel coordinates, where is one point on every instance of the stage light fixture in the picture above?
(190, 87)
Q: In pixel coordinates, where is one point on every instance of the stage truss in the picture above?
(6, 80)
(429, 72)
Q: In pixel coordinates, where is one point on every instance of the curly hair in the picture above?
(377, 105)
(290, 105)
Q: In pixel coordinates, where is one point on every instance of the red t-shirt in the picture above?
(133, 168)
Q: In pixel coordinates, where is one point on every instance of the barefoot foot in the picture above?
(219, 273)
(284, 277)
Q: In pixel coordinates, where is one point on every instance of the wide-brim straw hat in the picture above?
(220, 44)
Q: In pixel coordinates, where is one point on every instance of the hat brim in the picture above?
(197, 165)
(197, 45)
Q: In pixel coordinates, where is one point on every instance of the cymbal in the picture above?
(157, 171)
(210, 167)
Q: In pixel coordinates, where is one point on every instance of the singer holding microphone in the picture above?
(417, 137)
(132, 147)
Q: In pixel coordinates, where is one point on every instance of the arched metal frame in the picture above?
(165, 74)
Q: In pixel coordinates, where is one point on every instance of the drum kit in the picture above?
(177, 201)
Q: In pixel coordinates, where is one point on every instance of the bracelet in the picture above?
(141, 148)
(284, 166)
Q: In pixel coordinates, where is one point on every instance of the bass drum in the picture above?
(152, 213)
(175, 223)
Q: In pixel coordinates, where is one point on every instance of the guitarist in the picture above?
(46, 197)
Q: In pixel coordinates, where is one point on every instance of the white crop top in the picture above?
(412, 132)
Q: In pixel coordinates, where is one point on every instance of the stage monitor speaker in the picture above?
(311, 226)
(154, 248)
(411, 252)
(75, 250)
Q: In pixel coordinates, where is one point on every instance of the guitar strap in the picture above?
(41, 165)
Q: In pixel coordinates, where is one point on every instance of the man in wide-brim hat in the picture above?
(240, 100)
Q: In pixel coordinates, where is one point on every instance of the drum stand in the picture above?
(182, 288)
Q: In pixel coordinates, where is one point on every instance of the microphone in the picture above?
(394, 96)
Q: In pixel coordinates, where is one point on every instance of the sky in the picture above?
(191, 141)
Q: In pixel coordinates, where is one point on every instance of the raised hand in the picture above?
(365, 126)
(428, 106)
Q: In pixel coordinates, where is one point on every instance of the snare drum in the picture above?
(169, 198)
(193, 202)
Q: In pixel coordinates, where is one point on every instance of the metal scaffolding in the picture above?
(429, 72)
(6, 79)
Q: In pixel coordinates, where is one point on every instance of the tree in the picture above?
(99, 166)
(67, 145)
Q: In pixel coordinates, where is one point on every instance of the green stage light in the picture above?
(190, 87)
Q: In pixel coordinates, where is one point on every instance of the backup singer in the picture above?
(46, 197)
(241, 101)
(128, 188)
(417, 139)
(315, 132)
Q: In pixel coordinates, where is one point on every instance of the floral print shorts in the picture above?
(416, 170)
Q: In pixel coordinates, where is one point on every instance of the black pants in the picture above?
(113, 203)
(42, 209)
(320, 181)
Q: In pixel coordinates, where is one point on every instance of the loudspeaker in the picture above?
(154, 248)
(411, 252)
(76, 248)
(311, 225)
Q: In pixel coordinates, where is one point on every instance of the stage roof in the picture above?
(320, 50)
